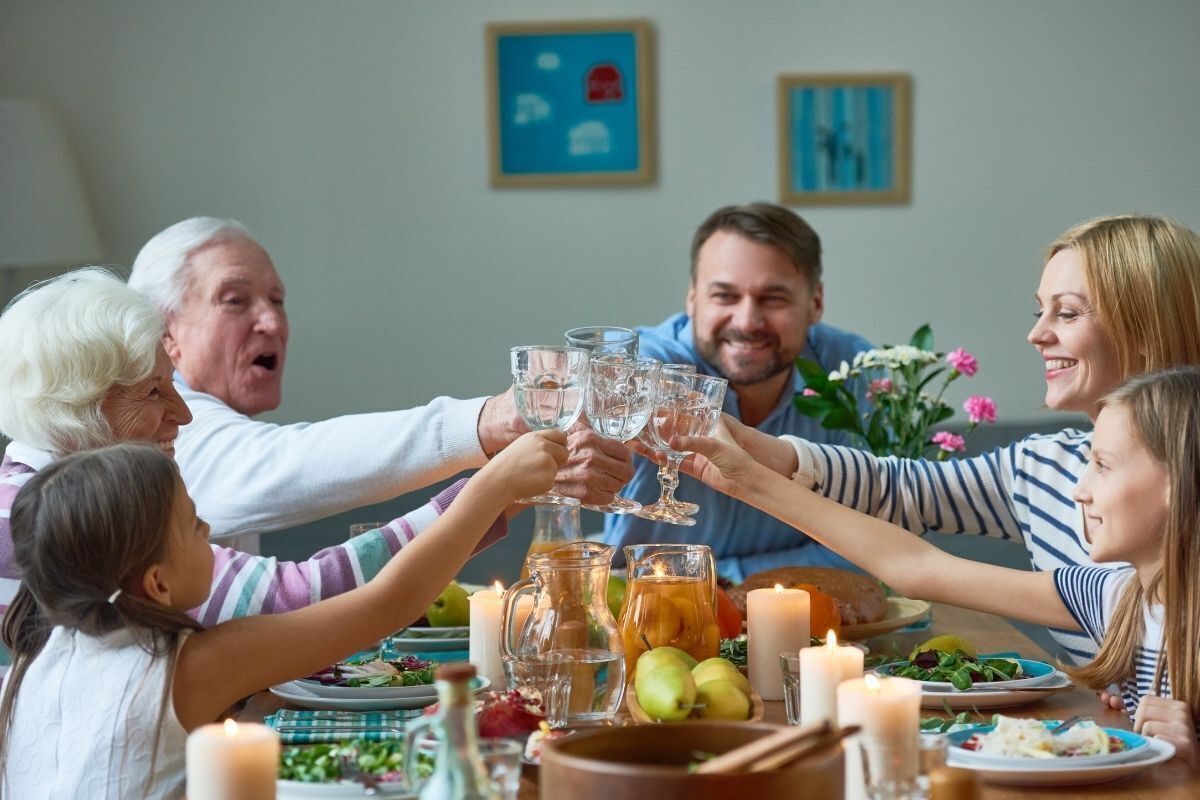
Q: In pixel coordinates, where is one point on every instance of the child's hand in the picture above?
(1170, 720)
(528, 465)
(1110, 700)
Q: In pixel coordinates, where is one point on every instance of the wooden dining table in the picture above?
(1167, 781)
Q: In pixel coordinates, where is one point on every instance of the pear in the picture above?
(659, 657)
(720, 668)
(666, 693)
(721, 699)
(686, 658)
(658, 620)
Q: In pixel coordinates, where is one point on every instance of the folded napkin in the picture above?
(310, 727)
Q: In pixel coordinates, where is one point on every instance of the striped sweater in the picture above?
(243, 584)
(1021, 492)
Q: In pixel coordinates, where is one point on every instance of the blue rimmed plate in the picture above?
(1134, 746)
(1036, 673)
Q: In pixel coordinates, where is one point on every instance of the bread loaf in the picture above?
(859, 597)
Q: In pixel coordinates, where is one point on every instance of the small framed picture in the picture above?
(844, 139)
(570, 103)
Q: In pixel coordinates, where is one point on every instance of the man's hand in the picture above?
(500, 423)
(596, 469)
(1170, 720)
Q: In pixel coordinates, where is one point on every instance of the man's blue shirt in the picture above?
(744, 539)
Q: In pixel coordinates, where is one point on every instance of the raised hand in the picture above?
(1170, 720)
(719, 461)
(596, 468)
(528, 465)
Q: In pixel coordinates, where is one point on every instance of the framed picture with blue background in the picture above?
(570, 103)
(844, 139)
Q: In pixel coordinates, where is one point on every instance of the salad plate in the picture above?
(901, 612)
(1132, 746)
(984, 697)
(1065, 774)
(1036, 673)
(295, 693)
(427, 644)
(366, 692)
(453, 632)
(298, 790)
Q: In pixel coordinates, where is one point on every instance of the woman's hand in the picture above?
(719, 461)
(527, 466)
(1111, 700)
(1170, 720)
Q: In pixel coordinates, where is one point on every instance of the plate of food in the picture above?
(416, 632)
(297, 694)
(944, 672)
(405, 641)
(319, 770)
(374, 678)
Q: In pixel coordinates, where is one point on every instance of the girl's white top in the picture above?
(85, 721)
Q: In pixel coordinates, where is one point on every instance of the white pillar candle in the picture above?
(821, 670)
(889, 712)
(776, 622)
(233, 761)
(484, 647)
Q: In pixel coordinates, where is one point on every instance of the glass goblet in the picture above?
(619, 398)
(684, 405)
(604, 339)
(548, 385)
(670, 468)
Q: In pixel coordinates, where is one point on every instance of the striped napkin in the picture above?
(310, 727)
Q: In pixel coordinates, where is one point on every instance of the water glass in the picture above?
(890, 766)
(359, 528)
(601, 339)
(931, 755)
(548, 385)
(618, 401)
(790, 664)
(502, 762)
(550, 674)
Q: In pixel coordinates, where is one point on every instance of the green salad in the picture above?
(322, 763)
(958, 669)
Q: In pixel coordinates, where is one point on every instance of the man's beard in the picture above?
(745, 376)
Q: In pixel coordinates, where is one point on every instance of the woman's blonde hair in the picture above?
(1144, 276)
(1164, 408)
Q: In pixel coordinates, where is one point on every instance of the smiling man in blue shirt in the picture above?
(754, 304)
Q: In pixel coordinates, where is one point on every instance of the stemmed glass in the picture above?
(672, 462)
(684, 405)
(620, 395)
(604, 339)
(548, 384)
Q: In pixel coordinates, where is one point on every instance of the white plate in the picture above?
(426, 644)
(296, 790)
(455, 632)
(366, 692)
(1135, 745)
(1031, 667)
(990, 698)
(1157, 752)
(297, 694)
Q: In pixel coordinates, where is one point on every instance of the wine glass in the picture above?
(619, 398)
(548, 385)
(604, 339)
(684, 405)
(672, 462)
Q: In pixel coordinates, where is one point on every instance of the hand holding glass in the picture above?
(548, 385)
(619, 396)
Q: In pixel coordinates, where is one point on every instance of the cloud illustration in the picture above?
(548, 61)
(589, 138)
(531, 108)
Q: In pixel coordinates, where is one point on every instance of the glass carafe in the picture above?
(553, 526)
(569, 647)
(670, 601)
(459, 772)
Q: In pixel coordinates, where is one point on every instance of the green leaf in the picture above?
(812, 405)
(944, 413)
(840, 418)
(961, 679)
(922, 339)
(815, 376)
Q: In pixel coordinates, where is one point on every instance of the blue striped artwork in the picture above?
(842, 138)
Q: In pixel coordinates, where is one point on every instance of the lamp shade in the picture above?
(45, 219)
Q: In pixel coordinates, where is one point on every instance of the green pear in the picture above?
(719, 668)
(720, 699)
(683, 656)
(659, 657)
(666, 693)
(451, 608)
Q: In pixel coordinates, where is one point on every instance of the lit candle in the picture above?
(776, 622)
(821, 670)
(888, 710)
(232, 762)
(484, 652)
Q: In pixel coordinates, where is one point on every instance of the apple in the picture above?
(616, 595)
(451, 608)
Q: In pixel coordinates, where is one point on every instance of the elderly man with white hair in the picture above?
(227, 334)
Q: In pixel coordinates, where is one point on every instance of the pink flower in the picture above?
(879, 386)
(963, 361)
(980, 409)
(809, 392)
(950, 442)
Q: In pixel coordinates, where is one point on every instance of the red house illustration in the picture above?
(604, 84)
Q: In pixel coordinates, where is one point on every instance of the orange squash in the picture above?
(729, 619)
(823, 612)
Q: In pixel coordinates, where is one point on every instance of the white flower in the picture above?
(840, 373)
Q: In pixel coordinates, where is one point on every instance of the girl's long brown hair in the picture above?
(83, 527)
(1165, 409)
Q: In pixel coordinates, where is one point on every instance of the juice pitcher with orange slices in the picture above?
(670, 601)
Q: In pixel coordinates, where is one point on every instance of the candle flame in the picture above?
(499, 587)
(872, 684)
(779, 588)
(230, 728)
(831, 640)
(660, 569)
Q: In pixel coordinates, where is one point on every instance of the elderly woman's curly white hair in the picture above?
(63, 344)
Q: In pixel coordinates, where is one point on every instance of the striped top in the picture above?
(244, 585)
(1091, 595)
(1021, 492)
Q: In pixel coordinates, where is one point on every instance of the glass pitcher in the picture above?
(568, 647)
(670, 601)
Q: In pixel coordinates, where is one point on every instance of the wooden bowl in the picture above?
(640, 761)
(642, 718)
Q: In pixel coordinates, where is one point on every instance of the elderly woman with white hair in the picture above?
(83, 365)
(227, 333)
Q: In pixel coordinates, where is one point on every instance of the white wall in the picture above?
(350, 137)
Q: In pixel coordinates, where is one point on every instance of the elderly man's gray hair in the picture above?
(63, 344)
(160, 270)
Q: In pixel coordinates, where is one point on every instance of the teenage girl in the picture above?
(110, 674)
(1140, 498)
